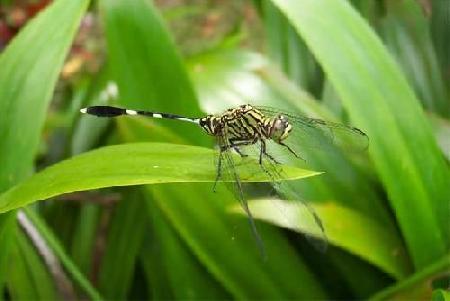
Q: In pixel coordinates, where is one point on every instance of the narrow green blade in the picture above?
(402, 146)
(134, 164)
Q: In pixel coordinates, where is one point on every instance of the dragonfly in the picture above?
(249, 131)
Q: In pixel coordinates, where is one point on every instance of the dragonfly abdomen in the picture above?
(109, 111)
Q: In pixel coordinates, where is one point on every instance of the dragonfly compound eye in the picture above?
(280, 128)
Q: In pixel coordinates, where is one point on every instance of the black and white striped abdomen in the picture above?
(108, 111)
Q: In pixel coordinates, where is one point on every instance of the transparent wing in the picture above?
(302, 210)
(228, 173)
(301, 216)
(320, 134)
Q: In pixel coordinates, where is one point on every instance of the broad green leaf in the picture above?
(344, 228)
(27, 79)
(124, 165)
(402, 147)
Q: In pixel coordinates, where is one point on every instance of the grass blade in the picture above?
(418, 286)
(27, 78)
(345, 228)
(135, 163)
(59, 251)
(115, 276)
(402, 146)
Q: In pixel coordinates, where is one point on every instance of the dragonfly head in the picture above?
(280, 128)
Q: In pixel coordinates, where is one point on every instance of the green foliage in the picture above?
(27, 79)
(378, 65)
(140, 163)
(347, 229)
(394, 121)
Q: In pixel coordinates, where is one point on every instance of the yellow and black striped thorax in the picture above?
(244, 123)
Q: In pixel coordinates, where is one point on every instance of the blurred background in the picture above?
(380, 65)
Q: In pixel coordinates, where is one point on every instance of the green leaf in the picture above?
(115, 276)
(287, 49)
(225, 76)
(225, 246)
(402, 146)
(84, 237)
(406, 32)
(61, 254)
(136, 33)
(8, 229)
(192, 210)
(344, 228)
(127, 164)
(440, 30)
(29, 278)
(441, 132)
(27, 79)
(418, 286)
(441, 295)
(167, 261)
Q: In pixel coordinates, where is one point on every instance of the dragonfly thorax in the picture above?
(246, 124)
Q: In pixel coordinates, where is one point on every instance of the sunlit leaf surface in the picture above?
(344, 228)
(123, 165)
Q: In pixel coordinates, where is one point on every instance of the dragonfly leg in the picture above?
(264, 152)
(290, 149)
(238, 150)
(219, 170)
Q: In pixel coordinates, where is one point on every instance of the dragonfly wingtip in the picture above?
(83, 110)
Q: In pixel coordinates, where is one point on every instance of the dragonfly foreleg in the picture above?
(291, 150)
(238, 150)
(264, 152)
